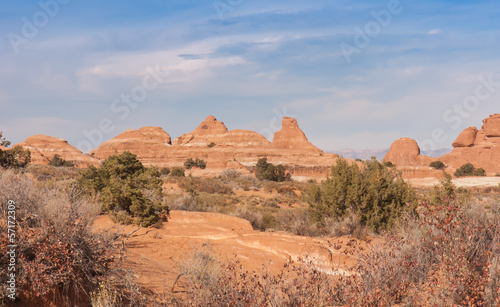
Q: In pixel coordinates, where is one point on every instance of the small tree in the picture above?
(374, 192)
(3, 141)
(212, 144)
(268, 171)
(122, 183)
(446, 193)
(16, 157)
(437, 165)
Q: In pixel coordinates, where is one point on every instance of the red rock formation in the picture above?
(235, 147)
(243, 138)
(491, 126)
(466, 138)
(156, 133)
(405, 152)
(291, 137)
(485, 151)
(200, 136)
(481, 148)
(148, 143)
(43, 148)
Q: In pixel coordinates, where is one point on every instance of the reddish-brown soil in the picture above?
(155, 254)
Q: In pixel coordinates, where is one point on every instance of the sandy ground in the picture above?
(459, 182)
(155, 254)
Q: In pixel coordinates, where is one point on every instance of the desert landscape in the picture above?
(233, 153)
(225, 217)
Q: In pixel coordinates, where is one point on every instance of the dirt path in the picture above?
(155, 254)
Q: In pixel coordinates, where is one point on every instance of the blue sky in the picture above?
(416, 73)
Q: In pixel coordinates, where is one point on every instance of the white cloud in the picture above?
(134, 66)
(434, 31)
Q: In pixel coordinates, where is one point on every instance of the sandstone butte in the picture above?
(43, 148)
(211, 141)
(479, 147)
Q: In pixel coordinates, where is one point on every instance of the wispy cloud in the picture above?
(434, 31)
(263, 55)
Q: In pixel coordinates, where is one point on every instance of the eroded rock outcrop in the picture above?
(44, 147)
(292, 137)
(485, 150)
(467, 138)
(211, 141)
(200, 136)
(148, 143)
(491, 126)
(222, 148)
(405, 152)
(479, 147)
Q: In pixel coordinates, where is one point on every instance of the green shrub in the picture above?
(389, 164)
(190, 163)
(268, 171)
(16, 157)
(480, 172)
(377, 194)
(437, 165)
(122, 217)
(177, 172)
(57, 161)
(164, 171)
(447, 193)
(211, 145)
(122, 182)
(469, 170)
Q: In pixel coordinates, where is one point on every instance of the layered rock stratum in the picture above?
(240, 149)
(211, 141)
(44, 147)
